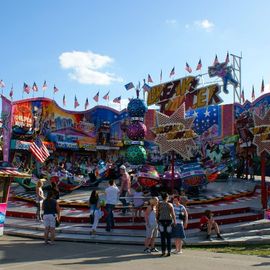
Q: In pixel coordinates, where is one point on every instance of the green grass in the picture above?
(258, 250)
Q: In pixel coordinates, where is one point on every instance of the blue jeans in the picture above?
(165, 235)
(124, 201)
(109, 219)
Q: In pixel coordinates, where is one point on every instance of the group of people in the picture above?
(170, 219)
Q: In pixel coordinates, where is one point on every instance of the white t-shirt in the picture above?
(112, 195)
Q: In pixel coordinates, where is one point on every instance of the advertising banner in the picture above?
(6, 126)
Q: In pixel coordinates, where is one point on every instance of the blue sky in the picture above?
(88, 46)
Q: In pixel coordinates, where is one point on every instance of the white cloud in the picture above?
(205, 24)
(116, 106)
(171, 22)
(87, 67)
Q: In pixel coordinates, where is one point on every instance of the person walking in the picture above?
(112, 193)
(51, 214)
(125, 187)
(39, 198)
(178, 231)
(166, 218)
(151, 226)
(94, 204)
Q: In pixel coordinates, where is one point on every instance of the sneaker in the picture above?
(220, 237)
(180, 252)
(175, 252)
(168, 254)
(208, 237)
(147, 250)
(162, 254)
(154, 250)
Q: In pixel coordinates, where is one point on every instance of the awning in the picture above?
(13, 173)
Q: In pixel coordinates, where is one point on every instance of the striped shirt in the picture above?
(178, 209)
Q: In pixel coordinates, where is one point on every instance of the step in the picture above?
(229, 231)
(193, 223)
(83, 216)
(109, 239)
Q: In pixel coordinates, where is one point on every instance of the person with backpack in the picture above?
(166, 218)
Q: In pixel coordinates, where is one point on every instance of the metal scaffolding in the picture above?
(236, 68)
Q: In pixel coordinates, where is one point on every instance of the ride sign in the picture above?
(171, 95)
(174, 133)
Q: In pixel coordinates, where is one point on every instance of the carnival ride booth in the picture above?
(7, 173)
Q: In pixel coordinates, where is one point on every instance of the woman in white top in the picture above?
(151, 226)
(39, 198)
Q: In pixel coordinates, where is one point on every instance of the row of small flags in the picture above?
(145, 87)
(27, 88)
(252, 93)
(96, 99)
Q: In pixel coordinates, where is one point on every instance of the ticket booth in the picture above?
(7, 173)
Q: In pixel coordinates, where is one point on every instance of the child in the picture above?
(207, 224)
(138, 202)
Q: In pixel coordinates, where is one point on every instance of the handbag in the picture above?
(57, 222)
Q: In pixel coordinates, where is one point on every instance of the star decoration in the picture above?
(261, 135)
(183, 143)
(207, 113)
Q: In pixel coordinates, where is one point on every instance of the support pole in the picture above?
(172, 177)
(263, 184)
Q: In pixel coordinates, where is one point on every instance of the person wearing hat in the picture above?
(125, 187)
(39, 198)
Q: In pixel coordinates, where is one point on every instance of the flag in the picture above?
(227, 60)
(243, 96)
(11, 92)
(55, 89)
(35, 87)
(44, 87)
(199, 66)
(39, 150)
(106, 97)
(215, 61)
(146, 87)
(2, 84)
(26, 88)
(188, 68)
(253, 94)
(64, 100)
(117, 100)
(129, 86)
(86, 104)
(172, 73)
(160, 76)
(96, 97)
(149, 79)
(76, 103)
(262, 87)
(138, 87)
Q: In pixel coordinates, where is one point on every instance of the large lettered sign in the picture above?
(170, 96)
